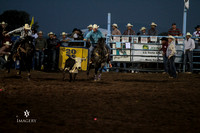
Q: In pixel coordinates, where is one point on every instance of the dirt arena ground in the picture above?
(120, 103)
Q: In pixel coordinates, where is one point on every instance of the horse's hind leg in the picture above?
(96, 72)
(88, 71)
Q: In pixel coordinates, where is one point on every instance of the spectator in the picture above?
(64, 40)
(3, 31)
(34, 33)
(189, 46)
(143, 31)
(174, 31)
(40, 46)
(77, 34)
(89, 29)
(170, 53)
(115, 30)
(197, 32)
(129, 30)
(153, 31)
(3, 51)
(51, 45)
(164, 49)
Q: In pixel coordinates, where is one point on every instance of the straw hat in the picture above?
(89, 26)
(27, 27)
(171, 37)
(63, 34)
(3, 23)
(153, 24)
(143, 28)
(40, 32)
(115, 25)
(95, 26)
(8, 43)
(51, 33)
(129, 25)
(188, 34)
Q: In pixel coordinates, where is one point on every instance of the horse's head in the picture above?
(101, 42)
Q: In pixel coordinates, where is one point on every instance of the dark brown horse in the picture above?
(99, 58)
(24, 53)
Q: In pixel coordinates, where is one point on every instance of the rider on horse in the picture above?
(93, 36)
(25, 31)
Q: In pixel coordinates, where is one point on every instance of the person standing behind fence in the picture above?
(51, 45)
(129, 30)
(174, 31)
(116, 32)
(153, 31)
(188, 54)
(64, 40)
(89, 29)
(40, 46)
(164, 49)
(170, 53)
(143, 31)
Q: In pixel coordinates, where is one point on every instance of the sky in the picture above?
(64, 15)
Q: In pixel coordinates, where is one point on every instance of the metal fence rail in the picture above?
(130, 52)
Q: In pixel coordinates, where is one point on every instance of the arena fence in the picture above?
(141, 53)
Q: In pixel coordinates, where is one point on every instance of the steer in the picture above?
(72, 65)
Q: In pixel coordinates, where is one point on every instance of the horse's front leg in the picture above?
(74, 78)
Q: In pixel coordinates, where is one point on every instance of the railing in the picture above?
(136, 50)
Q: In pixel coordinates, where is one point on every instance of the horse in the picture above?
(23, 52)
(99, 57)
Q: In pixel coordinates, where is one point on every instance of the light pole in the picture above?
(186, 7)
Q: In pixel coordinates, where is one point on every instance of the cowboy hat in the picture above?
(95, 26)
(3, 23)
(171, 37)
(8, 43)
(40, 32)
(89, 26)
(27, 27)
(51, 33)
(153, 24)
(63, 33)
(115, 25)
(129, 25)
(143, 28)
(188, 34)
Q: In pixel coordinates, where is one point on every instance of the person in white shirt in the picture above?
(189, 47)
(170, 53)
(197, 32)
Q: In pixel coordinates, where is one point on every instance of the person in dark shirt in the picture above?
(52, 47)
(153, 31)
(174, 31)
(164, 49)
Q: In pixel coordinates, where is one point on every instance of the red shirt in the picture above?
(164, 47)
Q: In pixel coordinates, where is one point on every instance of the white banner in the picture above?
(142, 50)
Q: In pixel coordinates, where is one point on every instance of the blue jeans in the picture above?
(165, 62)
(2, 62)
(39, 57)
(172, 68)
(118, 65)
(188, 57)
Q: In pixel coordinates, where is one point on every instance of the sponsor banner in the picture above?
(144, 53)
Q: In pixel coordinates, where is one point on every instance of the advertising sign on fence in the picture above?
(143, 53)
